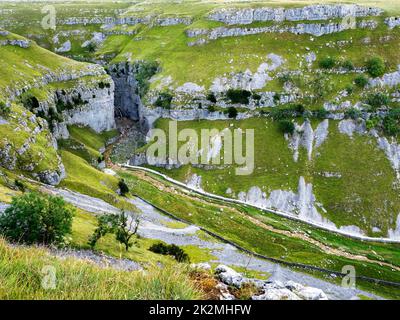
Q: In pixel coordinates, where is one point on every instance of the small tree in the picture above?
(36, 218)
(123, 187)
(376, 67)
(125, 231)
(118, 224)
(106, 223)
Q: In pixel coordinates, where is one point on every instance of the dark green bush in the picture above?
(238, 96)
(4, 109)
(299, 108)
(376, 67)
(232, 112)
(377, 100)
(256, 97)
(91, 47)
(352, 113)
(286, 126)
(327, 63)
(172, 250)
(164, 100)
(145, 70)
(19, 185)
(103, 85)
(320, 113)
(211, 97)
(123, 187)
(36, 218)
(361, 81)
(391, 122)
(280, 114)
(348, 65)
(211, 108)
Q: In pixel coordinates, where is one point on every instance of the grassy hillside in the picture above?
(363, 172)
(23, 271)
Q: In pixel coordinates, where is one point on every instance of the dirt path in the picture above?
(298, 235)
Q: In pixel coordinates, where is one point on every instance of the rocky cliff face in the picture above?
(27, 145)
(312, 12)
(95, 107)
(126, 96)
(87, 103)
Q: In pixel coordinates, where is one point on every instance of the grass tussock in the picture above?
(24, 270)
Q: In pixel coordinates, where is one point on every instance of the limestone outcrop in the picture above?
(308, 13)
(268, 290)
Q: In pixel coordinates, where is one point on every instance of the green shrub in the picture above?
(348, 65)
(211, 97)
(238, 96)
(376, 67)
(172, 250)
(232, 112)
(391, 122)
(19, 185)
(286, 126)
(211, 108)
(123, 187)
(145, 70)
(280, 114)
(256, 97)
(299, 108)
(36, 218)
(327, 63)
(4, 109)
(320, 113)
(349, 89)
(377, 100)
(91, 47)
(352, 113)
(164, 100)
(361, 81)
(372, 123)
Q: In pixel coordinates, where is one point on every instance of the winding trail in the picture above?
(154, 226)
(277, 212)
(298, 235)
